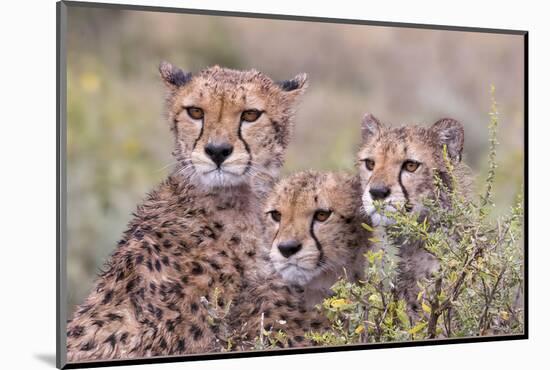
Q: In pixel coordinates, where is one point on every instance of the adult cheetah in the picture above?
(197, 231)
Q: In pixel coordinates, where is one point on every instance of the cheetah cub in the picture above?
(313, 237)
(197, 232)
(314, 231)
(397, 167)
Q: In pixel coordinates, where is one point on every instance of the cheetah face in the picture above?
(231, 127)
(311, 225)
(397, 166)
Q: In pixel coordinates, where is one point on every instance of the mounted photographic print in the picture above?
(234, 184)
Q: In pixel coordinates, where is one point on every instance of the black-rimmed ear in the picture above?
(370, 127)
(450, 132)
(296, 84)
(172, 76)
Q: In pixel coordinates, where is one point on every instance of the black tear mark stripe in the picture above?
(246, 147)
(176, 121)
(317, 243)
(277, 232)
(200, 134)
(405, 193)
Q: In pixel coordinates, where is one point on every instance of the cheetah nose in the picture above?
(218, 152)
(379, 192)
(289, 248)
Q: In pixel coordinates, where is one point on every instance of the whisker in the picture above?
(168, 165)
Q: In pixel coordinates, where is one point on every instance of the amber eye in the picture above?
(321, 215)
(369, 163)
(411, 166)
(195, 113)
(250, 115)
(275, 215)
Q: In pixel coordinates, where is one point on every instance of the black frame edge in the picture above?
(61, 265)
(292, 351)
(226, 13)
(526, 184)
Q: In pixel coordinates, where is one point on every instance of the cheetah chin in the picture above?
(295, 274)
(221, 178)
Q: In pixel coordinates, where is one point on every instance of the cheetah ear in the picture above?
(296, 85)
(172, 76)
(370, 127)
(450, 132)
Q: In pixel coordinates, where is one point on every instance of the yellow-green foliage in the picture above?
(478, 289)
(368, 311)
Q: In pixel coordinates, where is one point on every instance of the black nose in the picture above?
(379, 192)
(218, 152)
(289, 248)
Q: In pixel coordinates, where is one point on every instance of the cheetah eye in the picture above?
(322, 215)
(195, 113)
(250, 115)
(275, 215)
(411, 166)
(369, 163)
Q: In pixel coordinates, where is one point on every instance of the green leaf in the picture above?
(426, 308)
(402, 316)
(418, 327)
(375, 298)
(367, 227)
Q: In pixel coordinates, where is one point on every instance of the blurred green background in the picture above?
(119, 145)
